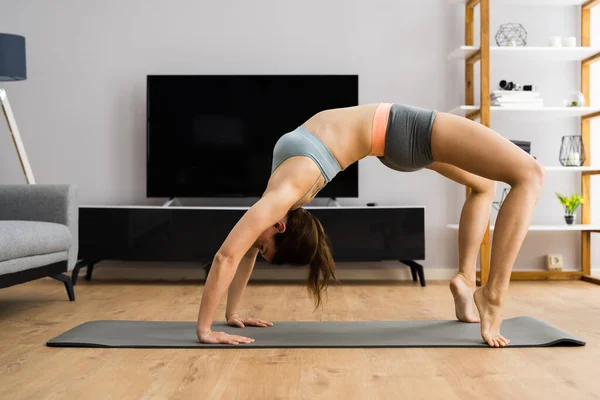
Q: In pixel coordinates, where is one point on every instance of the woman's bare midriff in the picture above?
(345, 131)
(347, 134)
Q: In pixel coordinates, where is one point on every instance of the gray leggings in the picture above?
(408, 138)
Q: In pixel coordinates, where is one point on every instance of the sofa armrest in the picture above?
(45, 203)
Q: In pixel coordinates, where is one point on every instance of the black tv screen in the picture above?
(213, 135)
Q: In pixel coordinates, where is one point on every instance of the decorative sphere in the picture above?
(511, 34)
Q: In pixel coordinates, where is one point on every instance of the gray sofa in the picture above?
(38, 233)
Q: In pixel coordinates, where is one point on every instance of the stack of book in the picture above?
(516, 99)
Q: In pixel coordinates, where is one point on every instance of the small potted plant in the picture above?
(570, 204)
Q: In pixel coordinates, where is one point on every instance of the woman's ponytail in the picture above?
(322, 267)
(304, 243)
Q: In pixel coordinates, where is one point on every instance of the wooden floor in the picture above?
(35, 312)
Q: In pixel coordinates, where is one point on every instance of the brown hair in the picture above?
(304, 243)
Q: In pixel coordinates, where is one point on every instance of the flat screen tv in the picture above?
(213, 135)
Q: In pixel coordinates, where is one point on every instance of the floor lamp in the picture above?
(13, 67)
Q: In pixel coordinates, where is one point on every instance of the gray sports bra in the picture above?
(302, 142)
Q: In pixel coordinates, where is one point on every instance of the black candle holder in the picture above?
(572, 151)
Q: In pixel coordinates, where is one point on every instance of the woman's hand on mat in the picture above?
(222, 338)
(236, 320)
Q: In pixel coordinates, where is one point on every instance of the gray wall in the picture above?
(81, 111)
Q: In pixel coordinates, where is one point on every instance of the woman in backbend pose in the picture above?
(404, 138)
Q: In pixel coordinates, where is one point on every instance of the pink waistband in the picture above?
(380, 122)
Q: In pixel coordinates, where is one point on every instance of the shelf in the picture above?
(529, 53)
(567, 111)
(463, 110)
(529, 2)
(551, 228)
(462, 52)
(572, 169)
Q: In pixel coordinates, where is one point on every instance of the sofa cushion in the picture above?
(26, 263)
(20, 239)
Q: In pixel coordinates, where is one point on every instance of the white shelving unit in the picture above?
(528, 53)
(534, 57)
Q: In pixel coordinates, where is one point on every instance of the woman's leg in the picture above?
(472, 225)
(477, 149)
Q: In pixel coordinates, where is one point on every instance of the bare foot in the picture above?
(491, 318)
(462, 291)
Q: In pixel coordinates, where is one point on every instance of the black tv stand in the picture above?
(194, 234)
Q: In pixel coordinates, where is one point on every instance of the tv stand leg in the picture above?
(89, 271)
(413, 272)
(421, 274)
(88, 274)
(416, 269)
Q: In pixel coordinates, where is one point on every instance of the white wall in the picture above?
(81, 111)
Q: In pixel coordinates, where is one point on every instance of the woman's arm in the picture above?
(240, 280)
(236, 290)
(272, 207)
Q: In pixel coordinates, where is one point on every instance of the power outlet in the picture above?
(554, 262)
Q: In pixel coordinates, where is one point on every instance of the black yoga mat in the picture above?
(522, 331)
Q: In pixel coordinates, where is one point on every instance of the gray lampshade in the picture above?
(13, 65)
